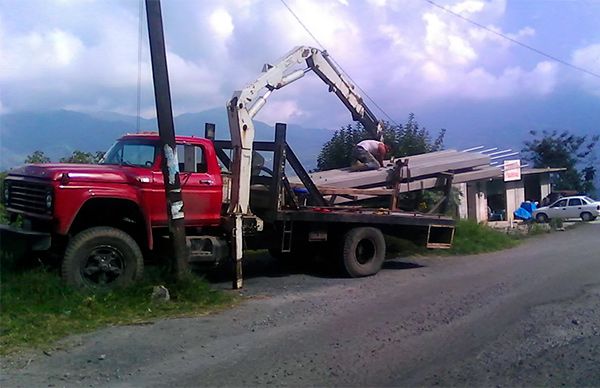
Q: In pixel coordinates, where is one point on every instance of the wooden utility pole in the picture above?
(164, 113)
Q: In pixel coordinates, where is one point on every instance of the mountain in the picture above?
(58, 133)
(505, 123)
(502, 123)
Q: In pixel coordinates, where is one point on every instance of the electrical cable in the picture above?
(338, 65)
(528, 47)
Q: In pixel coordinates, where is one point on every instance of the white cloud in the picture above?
(468, 6)
(25, 56)
(281, 111)
(588, 58)
(401, 52)
(221, 23)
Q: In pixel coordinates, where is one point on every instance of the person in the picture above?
(368, 155)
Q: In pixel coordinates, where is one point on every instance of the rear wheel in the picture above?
(102, 257)
(363, 251)
(542, 218)
(587, 216)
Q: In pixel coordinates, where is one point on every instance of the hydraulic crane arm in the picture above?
(246, 103)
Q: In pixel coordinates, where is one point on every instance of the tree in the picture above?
(404, 140)
(337, 151)
(413, 140)
(83, 157)
(575, 153)
(37, 157)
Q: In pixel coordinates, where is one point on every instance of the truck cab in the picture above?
(111, 214)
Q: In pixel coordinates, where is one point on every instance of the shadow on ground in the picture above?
(261, 264)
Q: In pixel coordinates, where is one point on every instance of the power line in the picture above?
(528, 47)
(337, 64)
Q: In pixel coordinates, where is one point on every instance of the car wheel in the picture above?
(541, 218)
(102, 258)
(363, 251)
(586, 216)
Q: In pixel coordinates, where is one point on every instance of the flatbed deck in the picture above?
(363, 215)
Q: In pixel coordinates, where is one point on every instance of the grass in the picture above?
(469, 238)
(37, 308)
(472, 238)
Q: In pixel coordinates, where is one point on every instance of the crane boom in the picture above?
(246, 103)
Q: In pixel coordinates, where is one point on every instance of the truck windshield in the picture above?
(130, 154)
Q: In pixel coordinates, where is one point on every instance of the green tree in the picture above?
(337, 151)
(404, 140)
(37, 157)
(575, 153)
(411, 139)
(82, 157)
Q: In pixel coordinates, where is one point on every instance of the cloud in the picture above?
(221, 22)
(588, 58)
(281, 111)
(403, 54)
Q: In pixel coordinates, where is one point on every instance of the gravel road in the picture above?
(525, 316)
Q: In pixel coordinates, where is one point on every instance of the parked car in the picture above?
(578, 206)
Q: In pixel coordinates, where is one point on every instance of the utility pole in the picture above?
(170, 164)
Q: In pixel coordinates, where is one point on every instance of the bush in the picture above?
(556, 223)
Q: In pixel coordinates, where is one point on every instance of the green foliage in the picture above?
(336, 152)
(38, 308)
(37, 157)
(404, 140)
(82, 157)
(556, 223)
(3, 215)
(471, 238)
(76, 157)
(553, 149)
(537, 229)
(411, 139)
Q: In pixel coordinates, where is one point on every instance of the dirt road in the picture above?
(526, 316)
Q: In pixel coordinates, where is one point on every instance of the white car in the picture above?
(578, 206)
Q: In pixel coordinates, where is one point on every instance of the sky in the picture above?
(407, 55)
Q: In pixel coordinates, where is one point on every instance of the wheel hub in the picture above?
(104, 265)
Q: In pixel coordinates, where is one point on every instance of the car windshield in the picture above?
(589, 200)
(127, 153)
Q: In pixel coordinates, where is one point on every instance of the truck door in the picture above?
(202, 193)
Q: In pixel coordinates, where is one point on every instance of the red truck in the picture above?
(104, 219)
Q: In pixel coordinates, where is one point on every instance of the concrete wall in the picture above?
(477, 207)
(462, 206)
(545, 186)
(515, 195)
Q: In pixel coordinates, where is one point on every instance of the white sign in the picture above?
(512, 170)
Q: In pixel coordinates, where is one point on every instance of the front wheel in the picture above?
(363, 251)
(102, 257)
(541, 218)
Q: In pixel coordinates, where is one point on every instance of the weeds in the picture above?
(472, 238)
(37, 308)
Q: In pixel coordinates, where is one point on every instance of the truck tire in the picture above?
(102, 258)
(363, 251)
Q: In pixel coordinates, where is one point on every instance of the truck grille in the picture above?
(28, 196)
